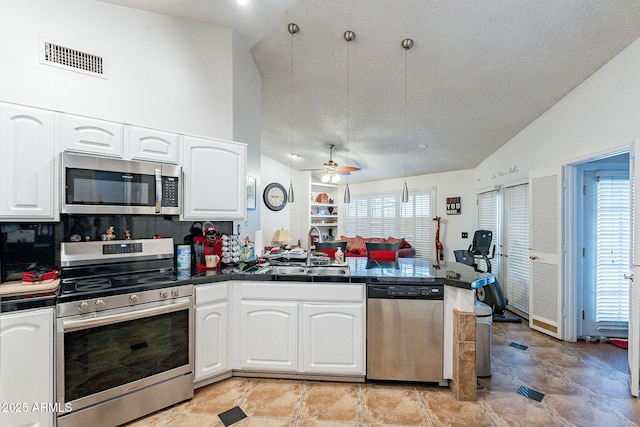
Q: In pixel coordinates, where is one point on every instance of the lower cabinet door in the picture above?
(333, 338)
(269, 335)
(26, 369)
(211, 346)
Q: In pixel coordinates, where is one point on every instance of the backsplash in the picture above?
(26, 243)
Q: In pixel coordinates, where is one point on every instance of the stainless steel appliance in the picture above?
(405, 332)
(97, 185)
(124, 332)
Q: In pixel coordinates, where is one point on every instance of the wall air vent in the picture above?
(72, 59)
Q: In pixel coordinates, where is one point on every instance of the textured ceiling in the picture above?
(479, 73)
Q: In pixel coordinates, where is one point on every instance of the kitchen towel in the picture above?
(258, 241)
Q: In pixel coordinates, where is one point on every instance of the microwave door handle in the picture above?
(158, 190)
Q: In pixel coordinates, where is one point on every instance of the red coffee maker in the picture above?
(212, 246)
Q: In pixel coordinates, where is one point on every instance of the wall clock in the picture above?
(275, 196)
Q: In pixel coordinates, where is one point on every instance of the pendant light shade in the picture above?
(406, 45)
(293, 29)
(348, 36)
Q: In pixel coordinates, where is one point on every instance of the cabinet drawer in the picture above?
(303, 291)
(211, 292)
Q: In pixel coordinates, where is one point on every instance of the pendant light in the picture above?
(348, 36)
(406, 45)
(293, 29)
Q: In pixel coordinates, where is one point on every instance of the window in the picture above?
(613, 246)
(488, 220)
(384, 215)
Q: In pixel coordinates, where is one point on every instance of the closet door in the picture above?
(545, 252)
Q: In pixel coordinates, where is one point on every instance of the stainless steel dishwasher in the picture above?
(405, 332)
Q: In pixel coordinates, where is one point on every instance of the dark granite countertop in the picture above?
(413, 271)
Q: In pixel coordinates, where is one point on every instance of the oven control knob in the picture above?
(175, 293)
(133, 298)
(164, 294)
(99, 304)
(83, 307)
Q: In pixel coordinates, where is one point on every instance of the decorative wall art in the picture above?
(453, 206)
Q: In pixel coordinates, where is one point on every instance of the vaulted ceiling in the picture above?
(479, 72)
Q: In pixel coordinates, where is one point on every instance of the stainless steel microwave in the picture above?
(98, 185)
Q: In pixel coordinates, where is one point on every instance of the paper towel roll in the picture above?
(259, 243)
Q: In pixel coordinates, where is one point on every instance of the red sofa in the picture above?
(356, 246)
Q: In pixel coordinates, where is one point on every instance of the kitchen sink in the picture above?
(294, 270)
(329, 271)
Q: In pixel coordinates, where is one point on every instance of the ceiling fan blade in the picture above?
(349, 169)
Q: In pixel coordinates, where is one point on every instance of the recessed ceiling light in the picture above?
(421, 145)
(242, 2)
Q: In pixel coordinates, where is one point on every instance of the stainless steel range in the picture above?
(124, 330)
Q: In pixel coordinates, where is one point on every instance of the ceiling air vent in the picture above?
(72, 59)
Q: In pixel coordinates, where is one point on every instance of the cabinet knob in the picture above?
(133, 299)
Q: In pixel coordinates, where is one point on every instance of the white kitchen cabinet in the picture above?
(89, 136)
(302, 327)
(26, 368)
(269, 335)
(151, 145)
(214, 184)
(27, 164)
(211, 330)
(333, 337)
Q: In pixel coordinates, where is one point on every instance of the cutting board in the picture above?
(20, 287)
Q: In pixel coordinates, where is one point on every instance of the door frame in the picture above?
(572, 293)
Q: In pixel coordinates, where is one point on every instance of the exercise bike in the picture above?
(490, 294)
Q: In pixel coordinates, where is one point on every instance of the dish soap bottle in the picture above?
(339, 256)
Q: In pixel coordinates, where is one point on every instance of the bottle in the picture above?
(339, 256)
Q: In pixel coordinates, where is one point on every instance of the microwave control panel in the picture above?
(170, 191)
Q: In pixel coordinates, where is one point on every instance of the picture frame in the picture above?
(251, 193)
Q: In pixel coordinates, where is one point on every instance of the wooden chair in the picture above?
(382, 254)
(330, 248)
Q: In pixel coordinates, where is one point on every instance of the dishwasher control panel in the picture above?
(431, 292)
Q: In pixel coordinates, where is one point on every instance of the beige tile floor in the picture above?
(580, 390)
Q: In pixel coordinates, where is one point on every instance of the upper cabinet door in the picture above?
(27, 164)
(152, 145)
(214, 183)
(89, 136)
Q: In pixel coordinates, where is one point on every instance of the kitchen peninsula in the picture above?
(293, 286)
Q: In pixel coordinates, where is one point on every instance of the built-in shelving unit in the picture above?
(324, 215)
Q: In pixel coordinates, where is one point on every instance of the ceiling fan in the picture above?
(332, 167)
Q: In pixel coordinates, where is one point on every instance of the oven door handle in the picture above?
(78, 324)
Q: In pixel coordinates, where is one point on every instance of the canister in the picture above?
(183, 257)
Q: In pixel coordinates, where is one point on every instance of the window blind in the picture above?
(613, 249)
(516, 246)
(488, 220)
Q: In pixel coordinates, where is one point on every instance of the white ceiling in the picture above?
(479, 72)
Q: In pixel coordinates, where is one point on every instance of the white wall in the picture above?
(449, 184)
(164, 73)
(599, 116)
(270, 221)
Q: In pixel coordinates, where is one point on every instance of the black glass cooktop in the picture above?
(92, 287)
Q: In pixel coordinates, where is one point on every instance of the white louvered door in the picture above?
(545, 253)
(634, 289)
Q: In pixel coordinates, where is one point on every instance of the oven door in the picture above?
(108, 354)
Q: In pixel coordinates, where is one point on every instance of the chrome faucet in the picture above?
(310, 244)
